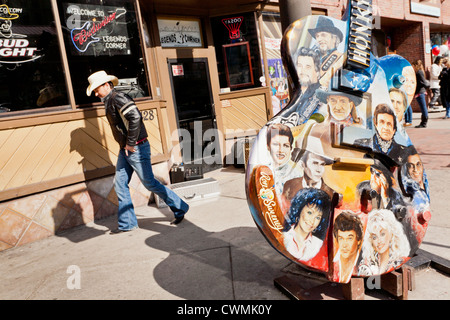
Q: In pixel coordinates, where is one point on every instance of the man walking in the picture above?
(134, 156)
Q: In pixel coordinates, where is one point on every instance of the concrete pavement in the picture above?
(216, 253)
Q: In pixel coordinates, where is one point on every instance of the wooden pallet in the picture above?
(397, 283)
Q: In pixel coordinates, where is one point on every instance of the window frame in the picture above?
(249, 59)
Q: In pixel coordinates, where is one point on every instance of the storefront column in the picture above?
(427, 44)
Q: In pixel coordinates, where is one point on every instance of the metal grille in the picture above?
(192, 190)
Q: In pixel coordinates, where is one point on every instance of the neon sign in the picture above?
(84, 36)
(97, 30)
(233, 25)
(14, 48)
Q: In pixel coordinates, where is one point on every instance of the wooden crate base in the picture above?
(293, 289)
(397, 283)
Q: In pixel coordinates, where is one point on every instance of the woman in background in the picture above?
(421, 92)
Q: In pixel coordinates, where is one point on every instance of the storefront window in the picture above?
(237, 51)
(103, 35)
(442, 40)
(31, 72)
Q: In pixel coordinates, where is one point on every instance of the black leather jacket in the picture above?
(124, 118)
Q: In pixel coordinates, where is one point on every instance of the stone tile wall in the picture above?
(45, 214)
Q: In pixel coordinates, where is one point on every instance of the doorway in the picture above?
(194, 106)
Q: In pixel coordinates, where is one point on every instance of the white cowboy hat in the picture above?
(99, 78)
(314, 145)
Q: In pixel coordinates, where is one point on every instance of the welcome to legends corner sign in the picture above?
(97, 30)
(180, 33)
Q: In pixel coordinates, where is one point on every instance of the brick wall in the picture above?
(409, 42)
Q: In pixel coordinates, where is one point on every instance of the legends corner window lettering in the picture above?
(14, 47)
(179, 33)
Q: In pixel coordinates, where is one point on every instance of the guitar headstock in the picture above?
(340, 134)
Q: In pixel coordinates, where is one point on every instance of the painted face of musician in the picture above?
(415, 168)
(348, 243)
(340, 107)
(380, 240)
(385, 126)
(398, 104)
(280, 150)
(310, 218)
(326, 41)
(314, 167)
(410, 83)
(306, 71)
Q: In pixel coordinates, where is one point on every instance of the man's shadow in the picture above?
(90, 200)
(213, 265)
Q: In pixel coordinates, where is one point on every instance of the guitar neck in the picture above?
(359, 34)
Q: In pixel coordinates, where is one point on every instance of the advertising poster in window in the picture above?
(277, 78)
(97, 30)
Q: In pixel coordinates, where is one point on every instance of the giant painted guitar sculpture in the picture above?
(333, 181)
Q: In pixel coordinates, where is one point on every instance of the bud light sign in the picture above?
(15, 48)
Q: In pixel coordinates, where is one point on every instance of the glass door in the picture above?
(196, 118)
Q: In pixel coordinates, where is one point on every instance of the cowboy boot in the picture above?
(423, 122)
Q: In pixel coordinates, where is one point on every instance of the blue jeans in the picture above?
(140, 163)
(446, 105)
(408, 114)
(423, 105)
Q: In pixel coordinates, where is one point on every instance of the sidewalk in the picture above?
(216, 253)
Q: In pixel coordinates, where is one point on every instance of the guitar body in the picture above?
(333, 181)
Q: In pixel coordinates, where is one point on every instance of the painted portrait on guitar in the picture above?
(307, 223)
(385, 245)
(348, 234)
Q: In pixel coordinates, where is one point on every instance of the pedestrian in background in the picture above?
(408, 116)
(129, 131)
(421, 92)
(444, 83)
(435, 71)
